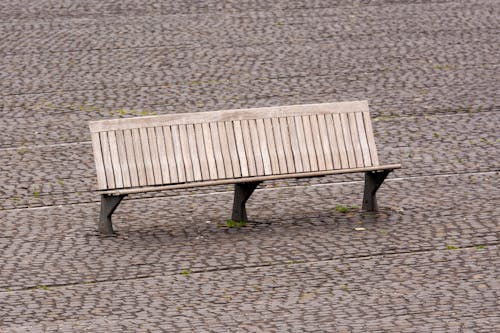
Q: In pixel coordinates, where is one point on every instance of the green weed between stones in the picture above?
(235, 224)
(345, 209)
(42, 287)
(451, 247)
(480, 247)
(185, 272)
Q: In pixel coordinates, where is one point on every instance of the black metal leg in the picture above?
(373, 180)
(242, 192)
(108, 206)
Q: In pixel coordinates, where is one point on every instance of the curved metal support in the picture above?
(373, 180)
(108, 206)
(242, 192)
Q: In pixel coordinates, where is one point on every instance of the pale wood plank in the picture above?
(233, 150)
(294, 144)
(249, 179)
(309, 143)
(325, 142)
(256, 146)
(263, 144)
(194, 152)
(219, 160)
(271, 146)
(115, 159)
(370, 137)
(212, 166)
(186, 154)
(252, 168)
(240, 146)
(202, 155)
(340, 144)
(179, 160)
(155, 156)
(146, 156)
(287, 145)
(224, 145)
(280, 150)
(132, 165)
(228, 115)
(304, 155)
(122, 155)
(355, 140)
(99, 163)
(317, 142)
(347, 140)
(169, 145)
(106, 156)
(162, 154)
(363, 140)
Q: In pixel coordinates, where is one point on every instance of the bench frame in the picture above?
(243, 186)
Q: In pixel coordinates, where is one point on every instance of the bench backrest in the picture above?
(217, 145)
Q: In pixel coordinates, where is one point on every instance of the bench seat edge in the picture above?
(143, 189)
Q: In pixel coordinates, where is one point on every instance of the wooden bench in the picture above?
(241, 147)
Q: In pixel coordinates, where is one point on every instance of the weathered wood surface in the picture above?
(234, 144)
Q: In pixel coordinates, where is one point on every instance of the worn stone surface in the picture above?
(427, 262)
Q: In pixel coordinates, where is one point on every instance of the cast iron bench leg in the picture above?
(108, 206)
(242, 192)
(373, 180)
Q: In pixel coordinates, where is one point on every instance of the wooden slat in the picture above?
(249, 179)
(355, 140)
(263, 144)
(172, 164)
(347, 140)
(240, 146)
(194, 152)
(99, 163)
(212, 166)
(367, 160)
(146, 156)
(304, 155)
(339, 142)
(325, 142)
(155, 156)
(252, 169)
(186, 154)
(287, 145)
(179, 161)
(257, 153)
(280, 150)
(271, 146)
(317, 142)
(122, 155)
(115, 159)
(139, 160)
(219, 160)
(370, 138)
(233, 151)
(224, 145)
(294, 144)
(202, 155)
(311, 151)
(228, 115)
(162, 154)
(106, 156)
(132, 164)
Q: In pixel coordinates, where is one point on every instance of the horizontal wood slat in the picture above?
(227, 115)
(235, 144)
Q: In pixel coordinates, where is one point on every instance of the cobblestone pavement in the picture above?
(429, 261)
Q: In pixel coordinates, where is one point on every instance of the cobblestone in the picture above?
(427, 262)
